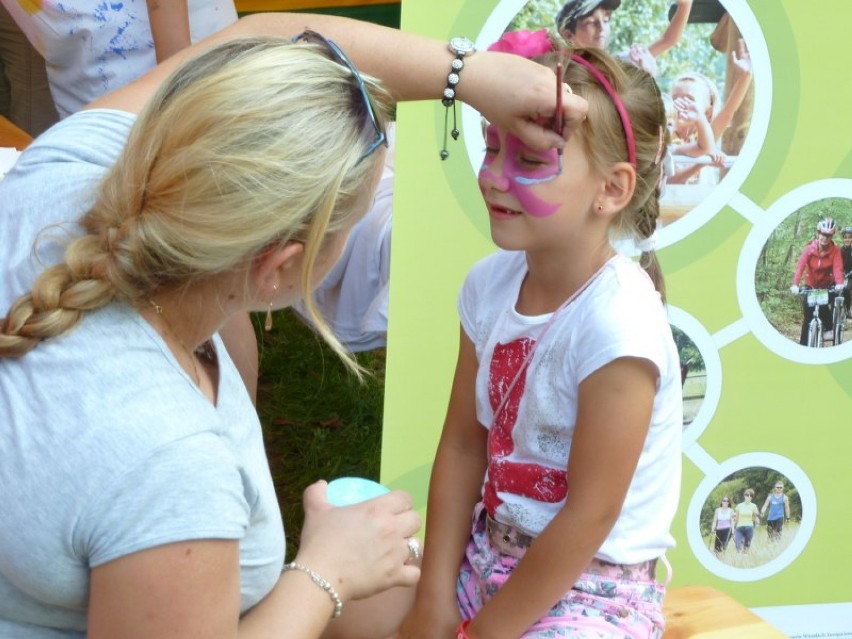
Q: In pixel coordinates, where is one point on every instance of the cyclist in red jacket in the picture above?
(822, 265)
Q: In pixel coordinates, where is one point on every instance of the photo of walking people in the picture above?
(802, 281)
(751, 517)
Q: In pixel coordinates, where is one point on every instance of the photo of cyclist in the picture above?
(822, 267)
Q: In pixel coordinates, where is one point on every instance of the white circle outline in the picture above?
(712, 366)
(750, 308)
(745, 20)
(806, 528)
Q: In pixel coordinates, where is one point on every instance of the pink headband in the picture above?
(619, 106)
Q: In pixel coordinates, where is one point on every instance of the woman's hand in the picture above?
(517, 94)
(360, 549)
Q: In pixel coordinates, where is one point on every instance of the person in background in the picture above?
(136, 495)
(846, 255)
(821, 265)
(586, 23)
(701, 119)
(778, 506)
(555, 451)
(746, 517)
(91, 47)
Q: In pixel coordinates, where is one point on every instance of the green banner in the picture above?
(761, 408)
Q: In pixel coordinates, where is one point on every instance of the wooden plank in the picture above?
(256, 6)
(13, 137)
(701, 612)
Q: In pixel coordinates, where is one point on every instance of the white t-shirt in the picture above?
(618, 315)
(106, 446)
(92, 47)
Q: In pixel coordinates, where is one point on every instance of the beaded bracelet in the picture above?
(322, 583)
(459, 47)
(461, 631)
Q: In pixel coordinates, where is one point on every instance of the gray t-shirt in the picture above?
(106, 446)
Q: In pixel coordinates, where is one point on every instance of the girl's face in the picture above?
(592, 31)
(824, 240)
(534, 196)
(847, 239)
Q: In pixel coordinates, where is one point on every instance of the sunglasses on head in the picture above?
(371, 125)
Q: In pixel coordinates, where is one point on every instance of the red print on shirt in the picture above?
(528, 480)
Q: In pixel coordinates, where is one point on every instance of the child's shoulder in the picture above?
(497, 266)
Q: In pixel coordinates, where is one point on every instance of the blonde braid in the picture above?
(253, 143)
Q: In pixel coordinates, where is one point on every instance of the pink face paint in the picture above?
(517, 178)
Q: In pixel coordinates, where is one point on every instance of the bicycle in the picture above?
(816, 298)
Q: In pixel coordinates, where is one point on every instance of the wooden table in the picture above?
(702, 612)
(12, 136)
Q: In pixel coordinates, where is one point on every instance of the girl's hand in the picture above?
(429, 620)
(686, 109)
(360, 549)
(718, 158)
(517, 94)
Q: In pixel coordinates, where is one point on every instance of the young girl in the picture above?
(563, 431)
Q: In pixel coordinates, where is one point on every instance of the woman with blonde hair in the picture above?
(136, 496)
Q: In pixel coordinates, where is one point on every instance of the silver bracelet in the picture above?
(322, 583)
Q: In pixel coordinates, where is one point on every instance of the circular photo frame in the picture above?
(701, 373)
(768, 305)
(765, 550)
(684, 208)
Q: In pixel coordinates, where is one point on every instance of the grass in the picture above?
(319, 421)
(694, 390)
(762, 550)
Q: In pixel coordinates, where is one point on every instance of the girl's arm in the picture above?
(786, 507)
(755, 515)
(742, 80)
(613, 417)
(715, 519)
(192, 588)
(169, 21)
(508, 90)
(454, 489)
(671, 36)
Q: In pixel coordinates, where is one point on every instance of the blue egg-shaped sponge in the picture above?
(351, 490)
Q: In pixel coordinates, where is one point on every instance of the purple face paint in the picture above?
(518, 178)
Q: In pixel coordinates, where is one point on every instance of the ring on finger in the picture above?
(414, 552)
